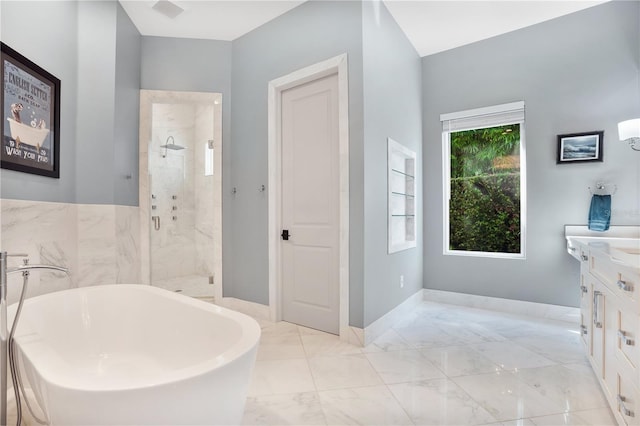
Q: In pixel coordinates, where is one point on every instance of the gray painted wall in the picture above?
(197, 66)
(310, 33)
(392, 108)
(127, 113)
(189, 65)
(576, 73)
(95, 102)
(51, 43)
(76, 41)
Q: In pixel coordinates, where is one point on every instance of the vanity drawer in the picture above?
(623, 281)
(627, 401)
(626, 346)
(578, 251)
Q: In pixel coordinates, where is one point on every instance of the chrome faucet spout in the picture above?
(29, 267)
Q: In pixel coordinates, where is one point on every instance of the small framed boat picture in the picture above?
(30, 116)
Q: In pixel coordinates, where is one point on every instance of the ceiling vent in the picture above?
(168, 9)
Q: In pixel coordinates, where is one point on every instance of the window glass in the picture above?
(484, 211)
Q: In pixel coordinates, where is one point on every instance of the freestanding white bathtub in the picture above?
(135, 354)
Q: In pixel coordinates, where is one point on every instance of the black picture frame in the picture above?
(30, 124)
(580, 147)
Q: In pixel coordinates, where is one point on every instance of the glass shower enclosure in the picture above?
(181, 190)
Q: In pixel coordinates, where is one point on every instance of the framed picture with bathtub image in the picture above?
(30, 116)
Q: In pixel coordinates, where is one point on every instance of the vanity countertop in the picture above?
(624, 251)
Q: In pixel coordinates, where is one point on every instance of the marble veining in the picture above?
(47, 232)
(128, 245)
(428, 369)
(423, 400)
(363, 406)
(98, 243)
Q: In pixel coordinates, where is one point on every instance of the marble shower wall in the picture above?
(173, 245)
(204, 188)
(98, 243)
(183, 245)
(206, 254)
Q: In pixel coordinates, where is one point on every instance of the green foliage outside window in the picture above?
(484, 209)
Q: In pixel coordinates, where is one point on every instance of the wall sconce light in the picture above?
(629, 131)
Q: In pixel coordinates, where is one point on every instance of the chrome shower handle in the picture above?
(156, 222)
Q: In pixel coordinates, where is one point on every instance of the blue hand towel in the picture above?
(600, 212)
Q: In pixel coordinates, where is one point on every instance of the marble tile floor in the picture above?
(442, 365)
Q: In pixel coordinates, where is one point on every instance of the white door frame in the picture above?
(331, 66)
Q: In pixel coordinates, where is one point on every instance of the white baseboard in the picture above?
(540, 310)
(255, 310)
(352, 335)
(391, 318)
(363, 337)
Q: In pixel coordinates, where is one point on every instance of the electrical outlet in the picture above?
(401, 281)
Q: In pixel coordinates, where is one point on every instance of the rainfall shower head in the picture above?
(171, 145)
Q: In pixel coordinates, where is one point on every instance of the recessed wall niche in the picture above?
(402, 197)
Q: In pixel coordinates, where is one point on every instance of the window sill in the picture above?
(516, 256)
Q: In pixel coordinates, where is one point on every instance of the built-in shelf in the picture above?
(401, 194)
(403, 173)
(402, 201)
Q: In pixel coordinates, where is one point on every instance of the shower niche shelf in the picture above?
(401, 199)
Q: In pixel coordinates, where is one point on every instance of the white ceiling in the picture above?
(215, 20)
(434, 26)
(431, 26)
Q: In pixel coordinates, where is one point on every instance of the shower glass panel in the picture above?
(181, 199)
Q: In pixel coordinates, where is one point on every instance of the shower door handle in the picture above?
(156, 222)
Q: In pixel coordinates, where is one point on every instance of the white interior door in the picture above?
(310, 205)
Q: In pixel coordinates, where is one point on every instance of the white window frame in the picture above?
(480, 118)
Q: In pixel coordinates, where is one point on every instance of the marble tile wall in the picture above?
(182, 246)
(98, 243)
(172, 185)
(204, 188)
(96, 248)
(128, 247)
(205, 226)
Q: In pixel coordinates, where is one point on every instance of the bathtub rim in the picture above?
(247, 344)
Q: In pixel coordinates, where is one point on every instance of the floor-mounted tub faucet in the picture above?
(4, 324)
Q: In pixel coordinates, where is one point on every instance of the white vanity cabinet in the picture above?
(586, 303)
(610, 318)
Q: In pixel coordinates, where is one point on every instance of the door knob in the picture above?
(285, 234)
